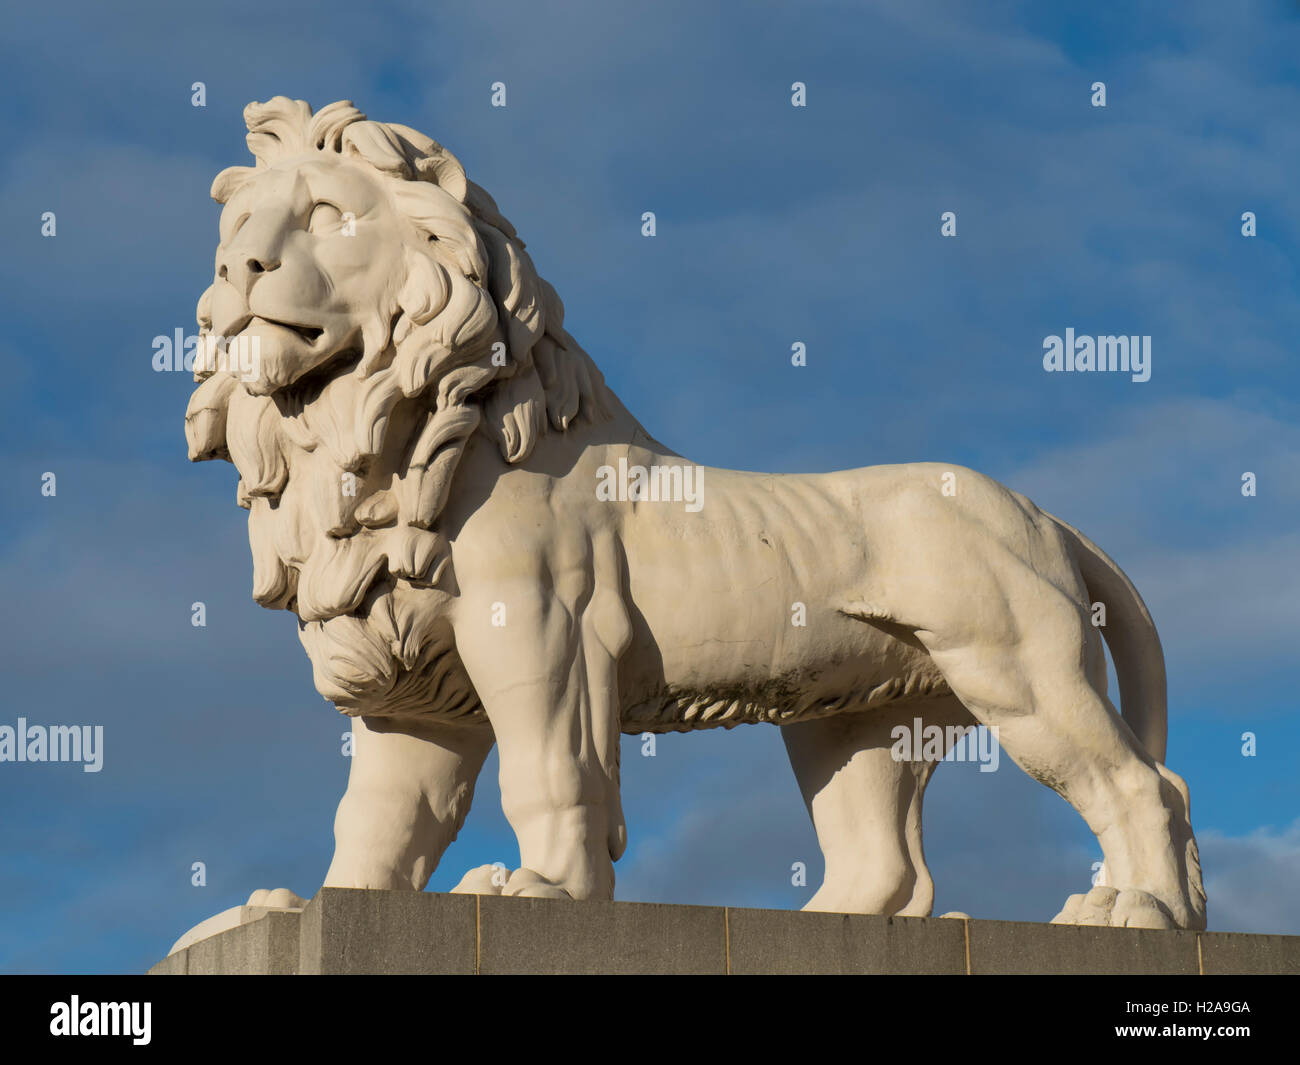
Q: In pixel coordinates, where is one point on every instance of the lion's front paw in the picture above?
(276, 899)
(262, 899)
(497, 880)
(1111, 908)
(483, 880)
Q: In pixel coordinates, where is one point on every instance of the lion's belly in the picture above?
(783, 697)
(740, 610)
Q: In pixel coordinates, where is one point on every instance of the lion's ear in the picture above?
(227, 183)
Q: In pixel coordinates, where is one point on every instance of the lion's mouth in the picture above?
(309, 333)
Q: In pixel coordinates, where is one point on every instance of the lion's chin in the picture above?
(281, 355)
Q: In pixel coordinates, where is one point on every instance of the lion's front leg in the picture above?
(547, 682)
(409, 789)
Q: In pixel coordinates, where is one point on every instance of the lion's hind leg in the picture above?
(1038, 680)
(865, 804)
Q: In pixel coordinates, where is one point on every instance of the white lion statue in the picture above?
(482, 545)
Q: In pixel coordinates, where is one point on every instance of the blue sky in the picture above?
(775, 224)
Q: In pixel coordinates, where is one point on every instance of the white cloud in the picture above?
(1253, 881)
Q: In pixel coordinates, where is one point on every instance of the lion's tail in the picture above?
(1133, 641)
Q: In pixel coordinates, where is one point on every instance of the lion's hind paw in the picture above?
(1112, 908)
(497, 880)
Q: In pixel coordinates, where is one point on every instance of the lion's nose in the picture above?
(241, 271)
(260, 266)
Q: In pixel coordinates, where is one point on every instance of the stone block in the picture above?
(792, 942)
(1003, 947)
(347, 930)
(554, 936)
(264, 946)
(1240, 954)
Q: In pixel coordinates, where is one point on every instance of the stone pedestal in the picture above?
(391, 932)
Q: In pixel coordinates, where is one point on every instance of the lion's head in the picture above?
(394, 313)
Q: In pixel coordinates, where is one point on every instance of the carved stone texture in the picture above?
(484, 546)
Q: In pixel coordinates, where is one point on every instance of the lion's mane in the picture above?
(476, 342)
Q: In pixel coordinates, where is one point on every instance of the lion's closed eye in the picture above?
(324, 218)
(239, 224)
